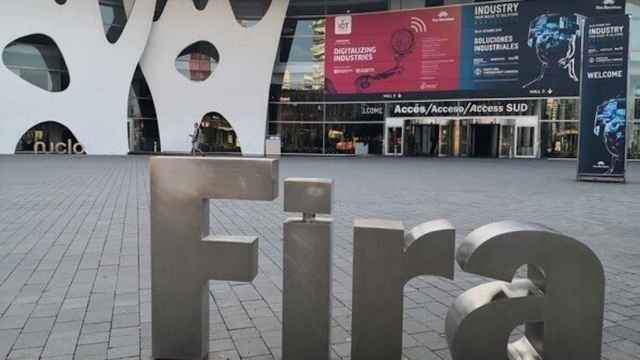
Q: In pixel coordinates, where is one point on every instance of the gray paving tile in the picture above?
(75, 250)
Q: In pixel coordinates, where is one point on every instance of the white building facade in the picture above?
(71, 63)
(113, 77)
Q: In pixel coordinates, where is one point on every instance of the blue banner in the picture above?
(603, 125)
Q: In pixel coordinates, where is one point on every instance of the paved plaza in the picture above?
(75, 257)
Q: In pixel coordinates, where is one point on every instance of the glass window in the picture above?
(560, 109)
(114, 18)
(635, 90)
(141, 103)
(429, 3)
(559, 139)
(355, 112)
(354, 139)
(198, 61)
(299, 138)
(249, 12)
(360, 6)
(200, 4)
(143, 130)
(299, 71)
(144, 135)
(302, 49)
(507, 135)
(304, 27)
(306, 7)
(634, 11)
(160, 5)
(38, 60)
(140, 107)
(634, 149)
(296, 112)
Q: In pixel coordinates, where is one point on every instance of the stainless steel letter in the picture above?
(184, 257)
(561, 303)
(385, 259)
(307, 270)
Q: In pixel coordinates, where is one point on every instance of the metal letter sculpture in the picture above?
(561, 303)
(306, 304)
(385, 259)
(184, 257)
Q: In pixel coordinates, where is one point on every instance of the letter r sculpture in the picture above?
(385, 258)
(307, 246)
(184, 257)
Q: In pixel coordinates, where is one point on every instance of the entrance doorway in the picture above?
(217, 136)
(481, 137)
(502, 137)
(526, 140)
(423, 140)
(394, 141)
(48, 137)
(484, 139)
(394, 134)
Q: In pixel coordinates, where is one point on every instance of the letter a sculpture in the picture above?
(184, 257)
(561, 303)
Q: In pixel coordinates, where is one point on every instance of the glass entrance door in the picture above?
(421, 140)
(507, 138)
(526, 138)
(394, 141)
(446, 139)
(526, 142)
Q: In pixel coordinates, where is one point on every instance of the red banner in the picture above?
(408, 51)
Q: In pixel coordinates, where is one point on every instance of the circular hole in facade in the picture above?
(198, 61)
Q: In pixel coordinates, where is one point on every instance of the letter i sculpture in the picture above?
(307, 270)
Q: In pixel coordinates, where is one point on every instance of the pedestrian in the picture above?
(195, 139)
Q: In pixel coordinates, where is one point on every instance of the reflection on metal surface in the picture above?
(385, 259)
(307, 248)
(183, 255)
(561, 304)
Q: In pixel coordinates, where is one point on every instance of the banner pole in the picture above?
(580, 122)
(629, 97)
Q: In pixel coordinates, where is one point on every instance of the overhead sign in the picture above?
(463, 109)
(403, 51)
(603, 125)
(491, 50)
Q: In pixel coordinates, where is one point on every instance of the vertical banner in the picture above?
(603, 124)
